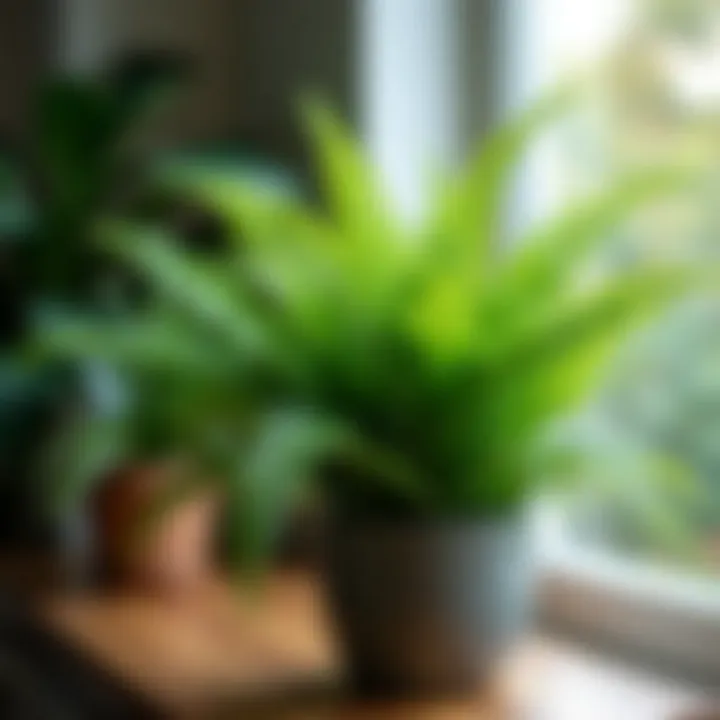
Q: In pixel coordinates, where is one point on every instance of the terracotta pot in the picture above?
(170, 553)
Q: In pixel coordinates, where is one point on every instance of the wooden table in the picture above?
(224, 654)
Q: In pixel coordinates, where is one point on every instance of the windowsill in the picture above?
(670, 621)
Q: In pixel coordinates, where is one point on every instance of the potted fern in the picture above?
(414, 375)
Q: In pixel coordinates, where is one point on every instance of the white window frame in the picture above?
(668, 617)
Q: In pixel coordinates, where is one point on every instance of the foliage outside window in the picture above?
(659, 100)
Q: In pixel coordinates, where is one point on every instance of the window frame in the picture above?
(667, 617)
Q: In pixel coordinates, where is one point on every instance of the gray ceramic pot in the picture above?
(427, 608)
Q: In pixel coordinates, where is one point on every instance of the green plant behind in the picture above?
(82, 162)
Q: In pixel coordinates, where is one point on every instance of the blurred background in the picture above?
(420, 79)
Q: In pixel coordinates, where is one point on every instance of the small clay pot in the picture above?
(171, 552)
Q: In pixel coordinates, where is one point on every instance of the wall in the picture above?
(25, 27)
(254, 58)
(211, 32)
(428, 77)
(294, 46)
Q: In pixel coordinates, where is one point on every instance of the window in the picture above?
(638, 562)
(637, 558)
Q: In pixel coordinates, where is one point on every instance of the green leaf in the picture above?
(349, 183)
(540, 267)
(271, 471)
(371, 245)
(137, 343)
(200, 290)
(553, 368)
(466, 225)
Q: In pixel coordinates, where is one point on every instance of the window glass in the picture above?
(654, 431)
